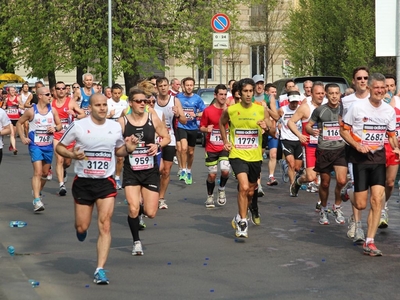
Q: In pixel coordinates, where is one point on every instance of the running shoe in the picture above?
(241, 229)
(118, 184)
(37, 205)
(221, 197)
(343, 192)
(142, 225)
(339, 216)
(352, 227)
(384, 221)
(371, 250)
(312, 187)
(234, 223)
(65, 176)
(15, 152)
(50, 175)
(162, 204)
(272, 181)
(188, 179)
(210, 201)
(285, 167)
(100, 277)
(255, 216)
(182, 176)
(81, 236)
(323, 217)
(62, 191)
(294, 187)
(260, 191)
(175, 160)
(179, 172)
(137, 248)
(359, 236)
(318, 206)
(10, 148)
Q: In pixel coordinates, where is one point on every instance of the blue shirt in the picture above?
(191, 106)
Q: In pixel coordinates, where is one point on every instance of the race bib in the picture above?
(64, 123)
(97, 162)
(140, 160)
(246, 139)
(189, 113)
(373, 136)
(86, 110)
(43, 138)
(331, 131)
(215, 137)
(12, 111)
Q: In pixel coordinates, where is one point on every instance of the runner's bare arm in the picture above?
(179, 114)
(345, 134)
(57, 120)
(79, 113)
(27, 116)
(222, 125)
(6, 130)
(310, 130)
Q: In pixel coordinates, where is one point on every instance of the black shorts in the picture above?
(14, 122)
(86, 191)
(292, 148)
(189, 135)
(168, 153)
(149, 179)
(212, 158)
(367, 175)
(253, 168)
(326, 159)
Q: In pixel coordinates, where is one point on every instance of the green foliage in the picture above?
(330, 37)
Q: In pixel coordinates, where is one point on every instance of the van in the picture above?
(280, 84)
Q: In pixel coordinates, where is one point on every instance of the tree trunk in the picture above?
(131, 78)
(51, 76)
(80, 70)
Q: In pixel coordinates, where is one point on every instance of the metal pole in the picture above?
(220, 66)
(109, 44)
(398, 45)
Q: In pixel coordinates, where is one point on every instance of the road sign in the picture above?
(220, 40)
(220, 23)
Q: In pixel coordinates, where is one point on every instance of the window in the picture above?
(258, 59)
(206, 65)
(257, 15)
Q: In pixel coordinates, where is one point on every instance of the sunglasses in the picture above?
(362, 77)
(75, 87)
(151, 101)
(47, 94)
(138, 101)
(58, 88)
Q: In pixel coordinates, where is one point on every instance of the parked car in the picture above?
(207, 95)
(280, 84)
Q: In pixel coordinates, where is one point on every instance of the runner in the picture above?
(330, 152)
(24, 97)
(43, 122)
(82, 95)
(5, 129)
(98, 141)
(363, 128)
(67, 109)
(172, 109)
(215, 152)
(11, 106)
(247, 122)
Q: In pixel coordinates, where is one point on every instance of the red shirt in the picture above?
(211, 116)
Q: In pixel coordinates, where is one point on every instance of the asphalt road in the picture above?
(190, 251)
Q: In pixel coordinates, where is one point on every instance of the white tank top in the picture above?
(38, 133)
(98, 142)
(169, 117)
(286, 133)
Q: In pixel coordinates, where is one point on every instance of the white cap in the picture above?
(258, 78)
(294, 98)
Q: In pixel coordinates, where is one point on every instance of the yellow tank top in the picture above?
(245, 134)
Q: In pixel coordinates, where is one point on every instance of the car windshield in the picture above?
(342, 86)
(207, 96)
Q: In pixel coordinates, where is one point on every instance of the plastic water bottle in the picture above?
(265, 156)
(11, 250)
(303, 187)
(34, 283)
(18, 224)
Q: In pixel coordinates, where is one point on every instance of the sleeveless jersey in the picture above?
(286, 133)
(12, 109)
(245, 134)
(211, 116)
(24, 98)
(368, 125)
(139, 159)
(85, 100)
(313, 141)
(348, 101)
(65, 118)
(326, 119)
(98, 142)
(119, 107)
(38, 133)
(169, 118)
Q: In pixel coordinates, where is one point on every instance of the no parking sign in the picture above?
(220, 23)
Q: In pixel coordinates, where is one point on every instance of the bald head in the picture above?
(96, 97)
(42, 90)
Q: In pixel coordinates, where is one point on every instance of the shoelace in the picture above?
(102, 274)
